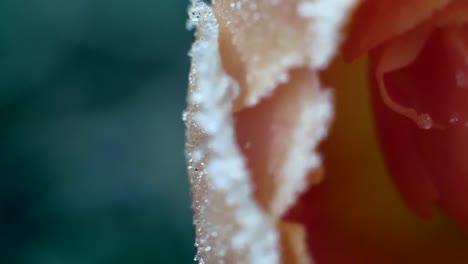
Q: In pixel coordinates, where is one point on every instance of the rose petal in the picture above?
(377, 21)
(279, 136)
(355, 215)
(249, 49)
(262, 40)
(432, 83)
(230, 226)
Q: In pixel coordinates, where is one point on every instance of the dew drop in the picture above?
(247, 145)
(185, 115)
(424, 121)
(454, 119)
(462, 79)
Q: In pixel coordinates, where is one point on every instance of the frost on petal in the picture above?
(274, 49)
(261, 40)
(279, 137)
(229, 225)
(256, 114)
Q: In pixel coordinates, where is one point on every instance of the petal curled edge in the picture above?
(414, 75)
(230, 226)
(264, 66)
(378, 21)
(264, 39)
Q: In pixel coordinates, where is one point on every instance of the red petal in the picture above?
(379, 20)
(436, 83)
(355, 215)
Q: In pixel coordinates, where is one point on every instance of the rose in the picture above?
(258, 110)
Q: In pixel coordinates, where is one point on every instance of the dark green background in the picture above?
(91, 138)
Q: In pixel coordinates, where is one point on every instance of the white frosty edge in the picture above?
(289, 62)
(225, 169)
(326, 19)
(302, 156)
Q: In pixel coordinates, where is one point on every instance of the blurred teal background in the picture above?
(91, 138)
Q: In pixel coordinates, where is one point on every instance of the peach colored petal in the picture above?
(261, 40)
(230, 226)
(279, 136)
(294, 243)
(256, 112)
(267, 53)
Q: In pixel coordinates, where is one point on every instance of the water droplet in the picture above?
(462, 79)
(247, 145)
(454, 119)
(185, 115)
(424, 121)
(253, 6)
(256, 16)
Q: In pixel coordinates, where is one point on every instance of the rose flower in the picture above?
(329, 131)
